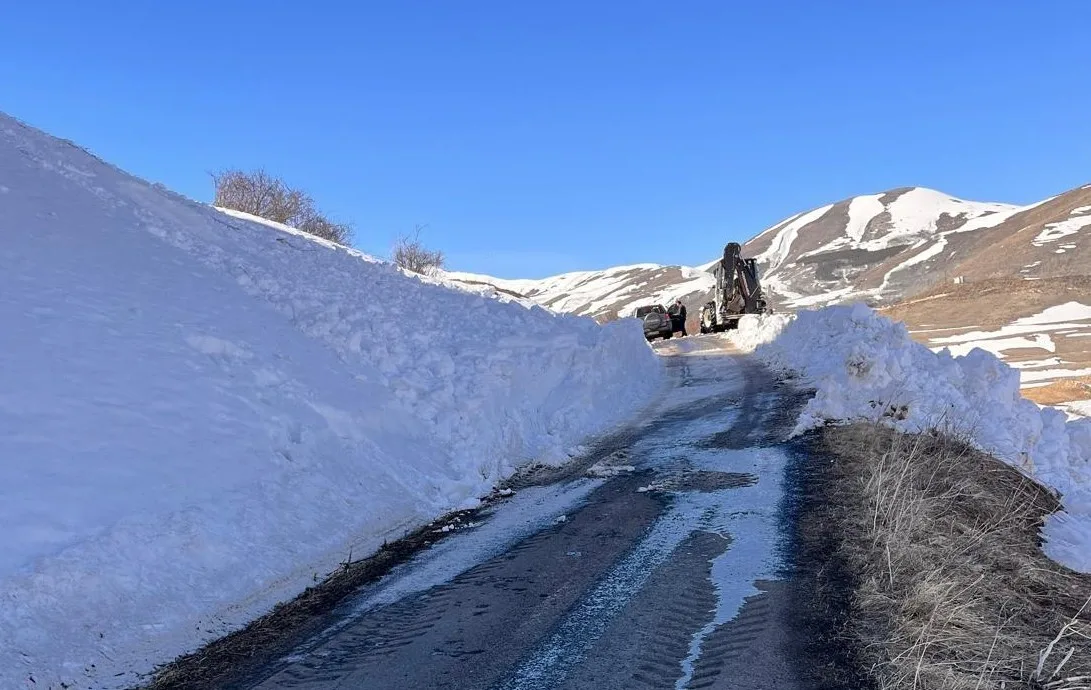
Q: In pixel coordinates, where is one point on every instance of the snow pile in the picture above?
(866, 366)
(199, 414)
(756, 329)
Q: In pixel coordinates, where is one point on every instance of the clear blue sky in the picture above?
(539, 137)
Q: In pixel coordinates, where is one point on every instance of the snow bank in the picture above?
(756, 329)
(864, 366)
(199, 414)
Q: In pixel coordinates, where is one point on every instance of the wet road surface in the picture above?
(654, 562)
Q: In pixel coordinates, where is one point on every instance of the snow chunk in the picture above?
(756, 329)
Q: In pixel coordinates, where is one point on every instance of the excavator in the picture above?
(738, 292)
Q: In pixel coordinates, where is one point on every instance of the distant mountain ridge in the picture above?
(878, 248)
(604, 294)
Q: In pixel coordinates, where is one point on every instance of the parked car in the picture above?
(657, 322)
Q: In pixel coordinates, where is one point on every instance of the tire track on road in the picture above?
(626, 592)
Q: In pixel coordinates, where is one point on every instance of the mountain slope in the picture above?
(879, 248)
(606, 294)
(1041, 327)
(1049, 239)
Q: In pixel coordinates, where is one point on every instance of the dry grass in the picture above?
(989, 303)
(949, 587)
(1064, 390)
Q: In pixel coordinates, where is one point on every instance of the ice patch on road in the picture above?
(605, 471)
(523, 515)
(747, 515)
(568, 646)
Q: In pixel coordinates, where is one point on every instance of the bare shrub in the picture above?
(261, 194)
(412, 255)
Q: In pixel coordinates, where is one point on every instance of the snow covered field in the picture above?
(200, 414)
(864, 366)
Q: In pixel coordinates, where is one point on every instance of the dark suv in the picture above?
(657, 322)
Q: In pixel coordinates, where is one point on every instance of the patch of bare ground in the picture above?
(993, 302)
(1062, 391)
(921, 558)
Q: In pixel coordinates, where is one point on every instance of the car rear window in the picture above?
(641, 312)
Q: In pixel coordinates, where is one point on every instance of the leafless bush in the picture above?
(411, 254)
(261, 194)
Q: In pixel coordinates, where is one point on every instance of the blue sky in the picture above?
(540, 137)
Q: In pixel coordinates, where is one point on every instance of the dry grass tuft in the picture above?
(950, 589)
(1061, 391)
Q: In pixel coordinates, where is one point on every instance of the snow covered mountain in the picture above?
(883, 248)
(607, 294)
(878, 248)
(201, 413)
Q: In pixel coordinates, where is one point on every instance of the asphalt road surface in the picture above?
(654, 562)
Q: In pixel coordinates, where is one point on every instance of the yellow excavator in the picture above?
(738, 292)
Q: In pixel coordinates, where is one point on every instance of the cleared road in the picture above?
(654, 562)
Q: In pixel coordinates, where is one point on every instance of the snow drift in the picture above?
(199, 414)
(863, 365)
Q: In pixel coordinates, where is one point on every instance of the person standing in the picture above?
(677, 313)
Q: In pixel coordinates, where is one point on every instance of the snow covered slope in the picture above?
(878, 248)
(884, 248)
(606, 294)
(199, 414)
(867, 247)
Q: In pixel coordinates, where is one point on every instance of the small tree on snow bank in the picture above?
(411, 255)
(261, 194)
